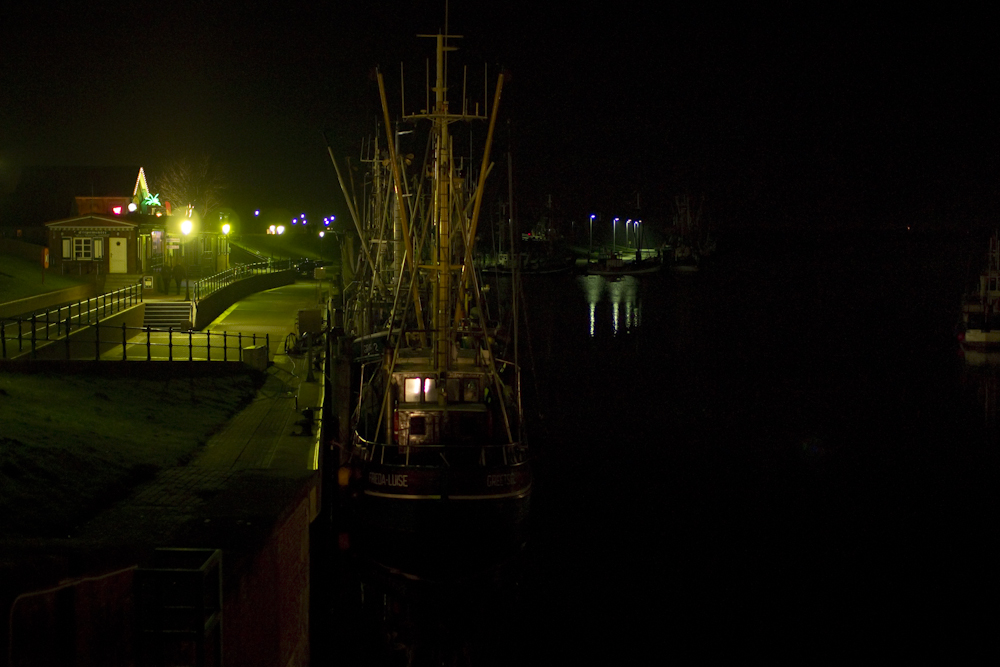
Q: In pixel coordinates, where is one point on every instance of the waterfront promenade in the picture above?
(251, 493)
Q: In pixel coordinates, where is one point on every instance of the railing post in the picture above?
(46, 324)
(208, 345)
(149, 350)
(225, 346)
(59, 321)
(67, 337)
(32, 335)
(124, 344)
(97, 341)
(170, 343)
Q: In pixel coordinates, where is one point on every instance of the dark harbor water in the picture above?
(782, 455)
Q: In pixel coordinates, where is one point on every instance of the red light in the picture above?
(117, 210)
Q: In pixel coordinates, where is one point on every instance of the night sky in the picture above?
(782, 116)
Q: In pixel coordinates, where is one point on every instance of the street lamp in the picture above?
(614, 234)
(186, 227)
(592, 216)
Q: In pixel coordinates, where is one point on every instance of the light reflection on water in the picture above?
(618, 299)
(982, 379)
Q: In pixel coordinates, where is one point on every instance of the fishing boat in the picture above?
(440, 473)
(979, 328)
(687, 245)
(616, 265)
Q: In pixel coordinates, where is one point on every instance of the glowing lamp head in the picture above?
(280, 229)
(226, 228)
(132, 207)
(186, 227)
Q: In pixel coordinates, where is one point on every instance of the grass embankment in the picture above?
(21, 278)
(71, 446)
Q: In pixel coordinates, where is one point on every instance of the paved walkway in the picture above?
(254, 465)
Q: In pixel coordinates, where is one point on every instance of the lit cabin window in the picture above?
(430, 390)
(411, 390)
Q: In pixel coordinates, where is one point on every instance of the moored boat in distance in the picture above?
(616, 265)
(440, 473)
(979, 328)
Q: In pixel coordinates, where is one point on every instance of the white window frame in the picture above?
(83, 249)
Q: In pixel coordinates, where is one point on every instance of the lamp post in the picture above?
(591, 252)
(614, 235)
(226, 228)
(186, 228)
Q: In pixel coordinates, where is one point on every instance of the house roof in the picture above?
(92, 221)
(49, 193)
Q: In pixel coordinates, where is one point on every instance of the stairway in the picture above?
(162, 315)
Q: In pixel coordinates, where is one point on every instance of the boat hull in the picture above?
(978, 339)
(440, 523)
(627, 270)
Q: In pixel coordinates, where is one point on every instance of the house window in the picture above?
(67, 248)
(85, 249)
(82, 249)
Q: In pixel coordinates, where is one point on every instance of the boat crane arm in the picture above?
(483, 172)
(354, 214)
(397, 188)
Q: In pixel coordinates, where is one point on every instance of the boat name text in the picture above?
(501, 479)
(382, 479)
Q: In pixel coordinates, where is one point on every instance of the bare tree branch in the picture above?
(197, 181)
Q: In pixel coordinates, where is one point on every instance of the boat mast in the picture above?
(443, 174)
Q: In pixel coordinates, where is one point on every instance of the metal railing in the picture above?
(53, 323)
(406, 455)
(206, 286)
(125, 343)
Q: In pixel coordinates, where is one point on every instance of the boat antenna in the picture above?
(351, 209)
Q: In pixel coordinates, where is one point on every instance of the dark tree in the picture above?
(198, 181)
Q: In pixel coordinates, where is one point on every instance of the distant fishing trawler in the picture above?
(440, 472)
(980, 325)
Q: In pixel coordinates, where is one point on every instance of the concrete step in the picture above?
(163, 315)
